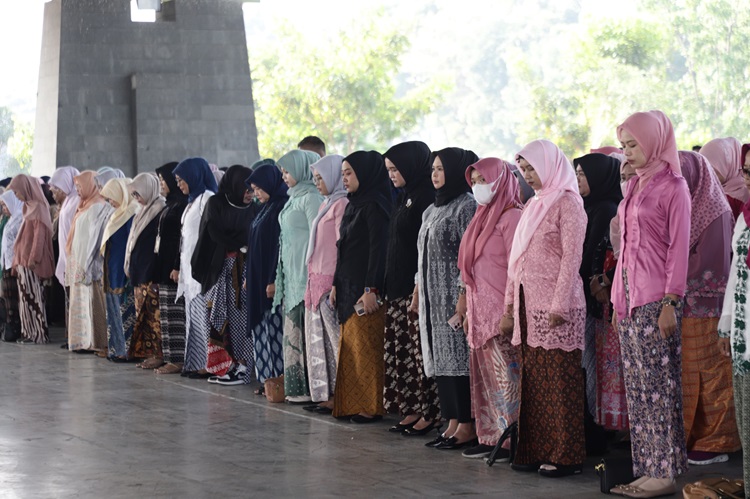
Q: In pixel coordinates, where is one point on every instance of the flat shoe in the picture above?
(438, 440)
(561, 471)
(119, 360)
(525, 467)
(323, 410)
(64, 346)
(638, 492)
(197, 375)
(185, 374)
(359, 419)
(310, 408)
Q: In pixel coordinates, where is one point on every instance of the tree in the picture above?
(346, 89)
(21, 144)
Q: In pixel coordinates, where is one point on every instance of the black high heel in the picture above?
(401, 428)
(411, 432)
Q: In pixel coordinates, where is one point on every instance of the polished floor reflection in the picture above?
(79, 426)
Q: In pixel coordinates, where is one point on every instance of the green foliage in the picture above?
(345, 89)
(21, 144)
(6, 125)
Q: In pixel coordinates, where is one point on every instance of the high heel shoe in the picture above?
(453, 444)
(411, 432)
(401, 428)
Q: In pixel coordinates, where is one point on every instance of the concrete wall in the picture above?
(137, 95)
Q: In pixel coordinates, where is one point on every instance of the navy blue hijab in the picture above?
(263, 242)
(198, 176)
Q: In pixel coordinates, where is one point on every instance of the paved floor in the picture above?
(79, 426)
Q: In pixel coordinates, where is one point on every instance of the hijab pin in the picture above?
(408, 203)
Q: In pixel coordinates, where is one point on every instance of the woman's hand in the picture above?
(603, 296)
(506, 324)
(724, 347)
(414, 305)
(667, 322)
(370, 302)
(332, 297)
(270, 290)
(594, 286)
(175, 275)
(556, 320)
(461, 307)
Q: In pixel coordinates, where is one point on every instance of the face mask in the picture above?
(483, 193)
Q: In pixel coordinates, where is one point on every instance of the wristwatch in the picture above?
(601, 281)
(371, 290)
(669, 302)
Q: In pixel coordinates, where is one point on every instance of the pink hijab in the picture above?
(725, 155)
(708, 199)
(608, 150)
(36, 231)
(506, 195)
(557, 177)
(653, 132)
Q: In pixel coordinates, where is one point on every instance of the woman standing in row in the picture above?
(356, 288)
(708, 401)
(117, 287)
(598, 178)
(195, 180)
(264, 321)
(64, 190)
(322, 331)
(141, 265)
(407, 390)
(295, 220)
(87, 325)
(220, 270)
(546, 312)
(483, 262)
(12, 209)
(33, 258)
(647, 295)
(167, 248)
(440, 296)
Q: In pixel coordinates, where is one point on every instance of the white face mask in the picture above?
(483, 193)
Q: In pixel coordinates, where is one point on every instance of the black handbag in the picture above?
(614, 471)
(511, 432)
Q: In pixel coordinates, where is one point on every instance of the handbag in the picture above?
(274, 389)
(715, 488)
(614, 471)
(511, 432)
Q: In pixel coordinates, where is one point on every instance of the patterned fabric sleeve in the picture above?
(572, 232)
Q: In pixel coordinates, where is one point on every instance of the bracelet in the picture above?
(601, 281)
(461, 290)
(669, 302)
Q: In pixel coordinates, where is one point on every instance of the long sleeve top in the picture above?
(168, 236)
(655, 226)
(485, 300)
(322, 264)
(191, 220)
(115, 279)
(548, 273)
(361, 255)
(295, 221)
(735, 310)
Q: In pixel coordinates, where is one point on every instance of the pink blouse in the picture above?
(486, 299)
(322, 264)
(548, 272)
(655, 226)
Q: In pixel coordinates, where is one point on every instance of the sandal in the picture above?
(169, 369)
(151, 363)
(261, 390)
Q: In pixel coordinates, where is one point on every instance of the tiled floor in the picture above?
(79, 426)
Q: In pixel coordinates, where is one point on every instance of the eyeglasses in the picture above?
(136, 195)
(317, 180)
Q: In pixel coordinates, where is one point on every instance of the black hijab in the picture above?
(175, 194)
(603, 175)
(233, 186)
(455, 162)
(374, 185)
(413, 160)
(263, 242)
